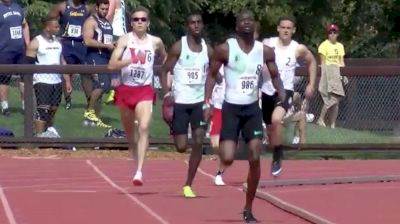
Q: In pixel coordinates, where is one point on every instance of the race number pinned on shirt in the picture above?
(193, 76)
(16, 32)
(108, 39)
(74, 31)
(137, 74)
(247, 84)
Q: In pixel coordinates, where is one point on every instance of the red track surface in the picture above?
(43, 191)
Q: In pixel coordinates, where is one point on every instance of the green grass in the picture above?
(69, 124)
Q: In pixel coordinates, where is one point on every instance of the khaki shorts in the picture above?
(331, 86)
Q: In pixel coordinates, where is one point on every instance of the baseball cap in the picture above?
(332, 27)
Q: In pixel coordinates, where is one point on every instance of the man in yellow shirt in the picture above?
(330, 87)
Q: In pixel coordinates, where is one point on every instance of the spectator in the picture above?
(45, 49)
(330, 86)
(15, 37)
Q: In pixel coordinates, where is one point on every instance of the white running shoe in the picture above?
(218, 181)
(54, 131)
(296, 140)
(138, 179)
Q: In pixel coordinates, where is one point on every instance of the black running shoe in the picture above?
(276, 166)
(6, 112)
(248, 217)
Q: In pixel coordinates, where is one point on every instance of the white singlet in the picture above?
(285, 59)
(49, 53)
(242, 73)
(119, 20)
(190, 73)
(140, 71)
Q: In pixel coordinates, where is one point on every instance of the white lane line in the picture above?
(126, 193)
(7, 207)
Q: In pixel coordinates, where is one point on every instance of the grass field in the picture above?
(69, 124)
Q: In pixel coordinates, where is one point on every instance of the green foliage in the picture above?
(367, 26)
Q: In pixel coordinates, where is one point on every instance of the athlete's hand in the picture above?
(115, 82)
(309, 91)
(68, 87)
(110, 47)
(206, 112)
(168, 108)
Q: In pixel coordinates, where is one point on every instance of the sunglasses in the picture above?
(333, 32)
(137, 19)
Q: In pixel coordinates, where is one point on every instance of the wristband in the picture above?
(167, 94)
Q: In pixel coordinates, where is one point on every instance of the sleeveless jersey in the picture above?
(103, 34)
(49, 53)
(11, 18)
(119, 20)
(140, 71)
(189, 74)
(72, 21)
(285, 59)
(242, 73)
(218, 94)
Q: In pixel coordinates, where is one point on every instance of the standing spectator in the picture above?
(98, 37)
(330, 86)
(45, 49)
(15, 37)
(73, 14)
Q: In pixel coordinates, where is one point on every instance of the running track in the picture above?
(48, 191)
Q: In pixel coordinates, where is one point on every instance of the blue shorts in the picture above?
(10, 58)
(74, 52)
(103, 80)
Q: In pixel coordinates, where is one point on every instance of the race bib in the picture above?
(108, 39)
(137, 74)
(74, 31)
(193, 76)
(16, 32)
(247, 84)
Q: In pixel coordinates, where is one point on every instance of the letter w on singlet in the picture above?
(138, 56)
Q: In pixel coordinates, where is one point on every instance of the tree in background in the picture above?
(369, 28)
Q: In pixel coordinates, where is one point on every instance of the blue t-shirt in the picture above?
(104, 35)
(12, 38)
(72, 21)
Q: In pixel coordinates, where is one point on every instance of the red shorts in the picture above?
(130, 96)
(216, 122)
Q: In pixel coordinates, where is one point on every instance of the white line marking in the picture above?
(66, 191)
(7, 207)
(126, 193)
(276, 199)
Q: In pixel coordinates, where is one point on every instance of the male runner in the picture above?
(243, 59)
(135, 54)
(287, 52)
(188, 59)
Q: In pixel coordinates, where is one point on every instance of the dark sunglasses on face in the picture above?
(137, 19)
(333, 32)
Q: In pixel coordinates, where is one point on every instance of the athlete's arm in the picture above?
(111, 10)
(308, 57)
(115, 61)
(57, 10)
(32, 49)
(269, 57)
(89, 27)
(219, 57)
(25, 31)
(172, 58)
(161, 53)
